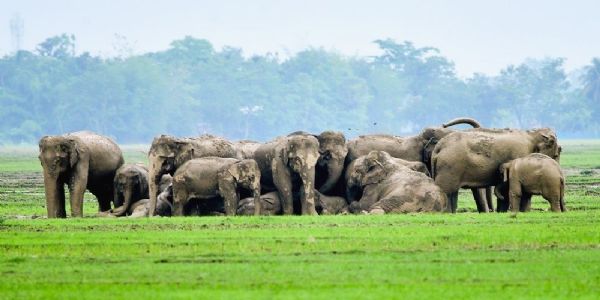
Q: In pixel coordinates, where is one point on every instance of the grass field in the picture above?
(418, 256)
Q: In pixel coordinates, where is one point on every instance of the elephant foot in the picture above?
(377, 211)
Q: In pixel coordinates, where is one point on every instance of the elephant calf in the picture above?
(271, 205)
(130, 185)
(535, 174)
(210, 177)
(389, 187)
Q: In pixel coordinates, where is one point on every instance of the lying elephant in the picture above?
(271, 205)
(389, 187)
(357, 168)
(209, 177)
(81, 160)
(130, 185)
(535, 174)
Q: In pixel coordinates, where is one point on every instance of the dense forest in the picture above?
(193, 88)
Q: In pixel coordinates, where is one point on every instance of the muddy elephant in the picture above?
(130, 185)
(167, 153)
(356, 170)
(81, 160)
(332, 156)
(245, 148)
(164, 204)
(210, 177)
(271, 205)
(471, 158)
(287, 164)
(535, 174)
(389, 187)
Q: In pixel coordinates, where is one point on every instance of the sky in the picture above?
(478, 36)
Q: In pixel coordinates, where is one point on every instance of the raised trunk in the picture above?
(334, 171)
(457, 121)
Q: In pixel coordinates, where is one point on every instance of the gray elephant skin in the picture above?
(167, 153)
(210, 177)
(389, 187)
(535, 174)
(82, 160)
(287, 164)
(130, 185)
(471, 158)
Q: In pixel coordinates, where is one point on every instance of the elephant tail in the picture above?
(462, 120)
(562, 195)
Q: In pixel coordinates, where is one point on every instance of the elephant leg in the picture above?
(283, 182)
(525, 202)
(180, 197)
(514, 196)
(105, 197)
(489, 199)
(227, 190)
(480, 201)
(452, 202)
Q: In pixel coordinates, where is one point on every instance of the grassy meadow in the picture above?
(415, 256)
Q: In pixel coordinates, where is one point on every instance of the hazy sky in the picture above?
(479, 36)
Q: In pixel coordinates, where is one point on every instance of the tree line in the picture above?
(192, 88)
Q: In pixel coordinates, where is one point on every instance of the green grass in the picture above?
(418, 256)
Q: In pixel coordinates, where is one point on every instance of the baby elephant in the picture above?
(271, 205)
(164, 205)
(535, 174)
(130, 185)
(210, 177)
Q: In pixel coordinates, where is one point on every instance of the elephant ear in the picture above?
(234, 171)
(504, 169)
(74, 152)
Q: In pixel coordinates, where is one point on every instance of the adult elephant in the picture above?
(471, 158)
(415, 148)
(332, 156)
(390, 187)
(287, 164)
(211, 177)
(130, 185)
(167, 153)
(82, 160)
(245, 148)
(412, 148)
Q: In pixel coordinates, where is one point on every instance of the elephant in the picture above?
(209, 177)
(287, 164)
(82, 160)
(535, 174)
(245, 149)
(413, 148)
(357, 168)
(472, 158)
(167, 153)
(130, 185)
(164, 204)
(332, 156)
(389, 187)
(271, 205)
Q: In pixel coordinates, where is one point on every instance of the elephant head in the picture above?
(244, 174)
(545, 142)
(332, 154)
(58, 154)
(300, 153)
(377, 165)
(130, 185)
(355, 172)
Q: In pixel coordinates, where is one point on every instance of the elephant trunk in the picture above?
(257, 202)
(463, 120)
(55, 202)
(122, 210)
(334, 172)
(154, 179)
(308, 191)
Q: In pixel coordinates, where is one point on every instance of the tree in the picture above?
(60, 46)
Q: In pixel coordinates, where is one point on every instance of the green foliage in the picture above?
(193, 88)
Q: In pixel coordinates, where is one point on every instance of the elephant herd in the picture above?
(307, 174)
